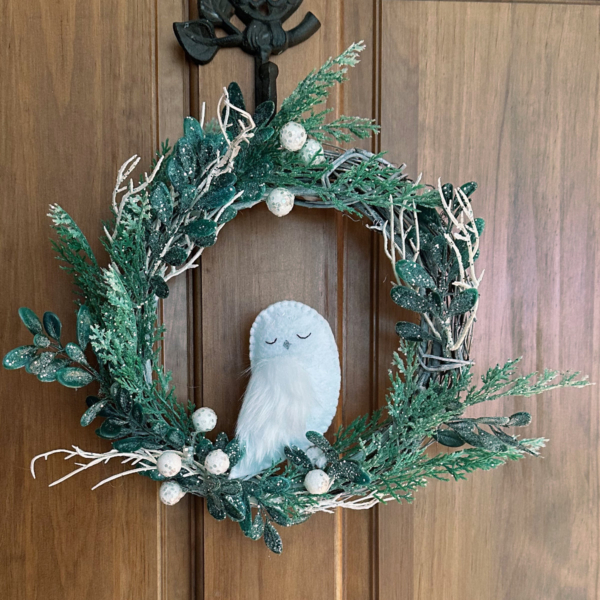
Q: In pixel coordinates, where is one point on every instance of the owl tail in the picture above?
(277, 404)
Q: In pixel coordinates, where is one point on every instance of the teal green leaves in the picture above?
(463, 302)
(19, 357)
(30, 320)
(52, 325)
(202, 232)
(409, 299)
(414, 274)
(161, 202)
(84, 326)
(272, 539)
(412, 332)
(159, 286)
(176, 256)
(74, 377)
(92, 412)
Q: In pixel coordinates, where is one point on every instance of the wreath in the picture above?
(159, 228)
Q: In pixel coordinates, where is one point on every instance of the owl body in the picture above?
(293, 388)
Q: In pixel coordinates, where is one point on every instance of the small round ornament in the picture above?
(217, 462)
(170, 492)
(312, 153)
(280, 201)
(204, 419)
(169, 463)
(317, 481)
(292, 136)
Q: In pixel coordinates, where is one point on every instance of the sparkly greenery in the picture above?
(160, 229)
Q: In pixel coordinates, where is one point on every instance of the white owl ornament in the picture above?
(294, 386)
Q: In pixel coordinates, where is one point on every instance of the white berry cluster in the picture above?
(293, 138)
(170, 462)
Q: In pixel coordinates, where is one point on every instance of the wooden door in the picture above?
(504, 93)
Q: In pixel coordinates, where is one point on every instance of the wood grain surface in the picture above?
(506, 94)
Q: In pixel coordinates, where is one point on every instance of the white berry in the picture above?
(204, 419)
(170, 493)
(312, 153)
(317, 457)
(169, 463)
(292, 136)
(217, 462)
(317, 481)
(280, 201)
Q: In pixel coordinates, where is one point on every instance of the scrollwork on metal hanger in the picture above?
(263, 35)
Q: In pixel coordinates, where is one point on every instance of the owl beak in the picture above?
(286, 345)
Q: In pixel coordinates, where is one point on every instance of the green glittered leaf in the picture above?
(123, 398)
(217, 198)
(175, 437)
(222, 441)
(48, 374)
(234, 507)
(318, 440)
(161, 202)
(463, 302)
(19, 357)
(409, 299)
(519, 419)
(131, 444)
(412, 332)
(177, 175)
(74, 377)
(273, 539)
(193, 130)
(468, 188)
(232, 487)
(203, 447)
(449, 438)
(52, 325)
(201, 229)
(41, 362)
(274, 485)
(84, 326)
(75, 353)
(297, 457)
(176, 256)
(234, 451)
(227, 215)
(258, 528)
(30, 320)
(278, 516)
(187, 157)
(109, 430)
(264, 112)
(235, 95)
(40, 340)
(414, 274)
(159, 286)
(187, 195)
(262, 135)
(215, 507)
(92, 412)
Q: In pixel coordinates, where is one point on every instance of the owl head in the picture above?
(289, 329)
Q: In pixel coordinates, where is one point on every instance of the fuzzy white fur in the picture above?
(294, 386)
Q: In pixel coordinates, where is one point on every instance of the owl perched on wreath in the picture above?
(294, 384)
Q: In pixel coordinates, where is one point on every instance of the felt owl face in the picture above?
(291, 329)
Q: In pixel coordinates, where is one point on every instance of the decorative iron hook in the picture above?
(263, 35)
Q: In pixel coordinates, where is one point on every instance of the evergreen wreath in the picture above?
(158, 230)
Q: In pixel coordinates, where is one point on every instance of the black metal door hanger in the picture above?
(262, 36)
